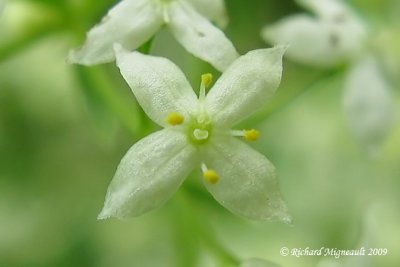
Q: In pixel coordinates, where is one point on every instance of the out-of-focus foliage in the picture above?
(64, 128)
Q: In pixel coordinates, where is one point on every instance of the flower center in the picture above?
(200, 134)
(200, 129)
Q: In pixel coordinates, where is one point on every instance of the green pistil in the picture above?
(199, 131)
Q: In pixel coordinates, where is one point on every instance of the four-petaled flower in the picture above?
(336, 35)
(133, 22)
(197, 133)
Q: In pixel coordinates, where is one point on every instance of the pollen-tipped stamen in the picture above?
(248, 135)
(175, 118)
(206, 80)
(209, 175)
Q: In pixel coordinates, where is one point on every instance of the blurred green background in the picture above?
(64, 128)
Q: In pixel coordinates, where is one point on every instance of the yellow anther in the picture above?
(211, 176)
(251, 135)
(206, 79)
(175, 118)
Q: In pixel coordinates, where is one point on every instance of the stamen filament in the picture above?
(203, 167)
(237, 133)
(248, 135)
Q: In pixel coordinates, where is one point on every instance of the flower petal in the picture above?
(367, 103)
(158, 84)
(150, 172)
(317, 42)
(212, 9)
(245, 86)
(330, 9)
(254, 262)
(130, 23)
(247, 183)
(199, 36)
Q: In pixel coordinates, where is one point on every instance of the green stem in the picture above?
(200, 231)
(187, 246)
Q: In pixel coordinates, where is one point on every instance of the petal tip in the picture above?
(281, 48)
(287, 219)
(269, 34)
(281, 213)
(101, 217)
(277, 211)
(280, 216)
(104, 214)
(80, 56)
(73, 57)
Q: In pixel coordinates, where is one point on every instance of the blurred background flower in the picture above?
(63, 130)
(335, 36)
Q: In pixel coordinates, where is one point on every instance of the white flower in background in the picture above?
(367, 102)
(133, 22)
(336, 36)
(258, 263)
(333, 36)
(197, 133)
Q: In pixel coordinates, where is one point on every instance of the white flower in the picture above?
(336, 35)
(197, 133)
(367, 103)
(133, 22)
(332, 36)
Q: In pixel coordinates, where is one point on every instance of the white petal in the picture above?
(199, 36)
(330, 9)
(258, 263)
(130, 23)
(247, 183)
(245, 86)
(149, 174)
(212, 9)
(158, 84)
(367, 102)
(317, 42)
